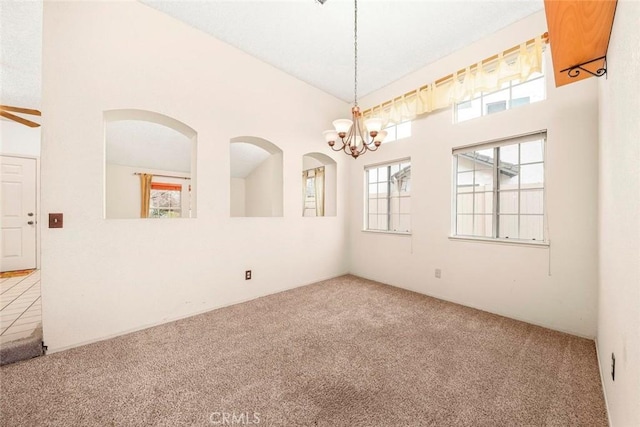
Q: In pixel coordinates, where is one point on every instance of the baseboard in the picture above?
(174, 319)
(509, 316)
(602, 377)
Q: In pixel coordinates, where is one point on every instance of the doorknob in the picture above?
(30, 214)
(30, 222)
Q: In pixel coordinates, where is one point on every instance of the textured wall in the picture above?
(552, 286)
(619, 302)
(102, 278)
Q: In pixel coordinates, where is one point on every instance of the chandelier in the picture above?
(356, 136)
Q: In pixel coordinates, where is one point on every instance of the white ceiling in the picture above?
(147, 145)
(245, 158)
(309, 41)
(20, 53)
(314, 42)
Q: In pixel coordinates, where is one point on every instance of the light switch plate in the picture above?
(55, 220)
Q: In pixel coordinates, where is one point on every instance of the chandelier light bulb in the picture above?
(380, 136)
(330, 136)
(343, 126)
(373, 125)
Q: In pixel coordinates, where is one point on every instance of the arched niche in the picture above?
(256, 178)
(319, 185)
(150, 165)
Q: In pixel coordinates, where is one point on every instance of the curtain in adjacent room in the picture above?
(305, 177)
(319, 181)
(145, 194)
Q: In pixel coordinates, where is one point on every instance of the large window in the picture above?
(499, 189)
(388, 197)
(512, 94)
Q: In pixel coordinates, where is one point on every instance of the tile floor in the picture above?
(20, 308)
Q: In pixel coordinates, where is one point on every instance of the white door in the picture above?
(18, 215)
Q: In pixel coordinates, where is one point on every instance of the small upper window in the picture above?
(512, 94)
(398, 131)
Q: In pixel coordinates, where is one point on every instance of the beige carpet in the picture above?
(344, 352)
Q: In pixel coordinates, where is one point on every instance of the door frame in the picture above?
(38, 213)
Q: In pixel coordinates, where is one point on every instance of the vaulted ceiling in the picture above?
(310, 41)
(305, 39)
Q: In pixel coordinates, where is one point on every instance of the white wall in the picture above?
(510, 280)
(238, 197)
(19, 140)
(330, 189)
(619, 302)
(103, 277)
(263, 188)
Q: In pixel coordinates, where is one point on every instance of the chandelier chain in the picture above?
(356, 136)
(355, 49)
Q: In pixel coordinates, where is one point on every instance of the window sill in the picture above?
(395, 233)
(501, 241)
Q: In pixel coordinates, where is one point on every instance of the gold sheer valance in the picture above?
(517, 63)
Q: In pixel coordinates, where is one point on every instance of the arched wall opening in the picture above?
(319, 185)
(150, 166)
(256, 181)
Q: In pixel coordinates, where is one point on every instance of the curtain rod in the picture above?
(545, 39)
(164, 176)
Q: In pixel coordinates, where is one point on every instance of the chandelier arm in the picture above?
(351, 136)
(344, 148)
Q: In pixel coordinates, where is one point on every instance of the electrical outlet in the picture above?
(247, 275)
(613, 367)
(438, 273)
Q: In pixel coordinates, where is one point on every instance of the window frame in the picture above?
(496, 191)
(311, 176)
(168, 186)
(484, 94)
(391, 126)
(389, 198)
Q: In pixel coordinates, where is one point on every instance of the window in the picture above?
(398, 131)
(313, 192)
(512, 94)
(499, 189)
(310, 195)
(388, 197)
(165, 200)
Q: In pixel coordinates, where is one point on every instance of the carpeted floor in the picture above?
(344, 352)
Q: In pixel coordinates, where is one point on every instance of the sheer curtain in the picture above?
(517, 63)
(319, 181)
(305, 177)
(145, 194)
